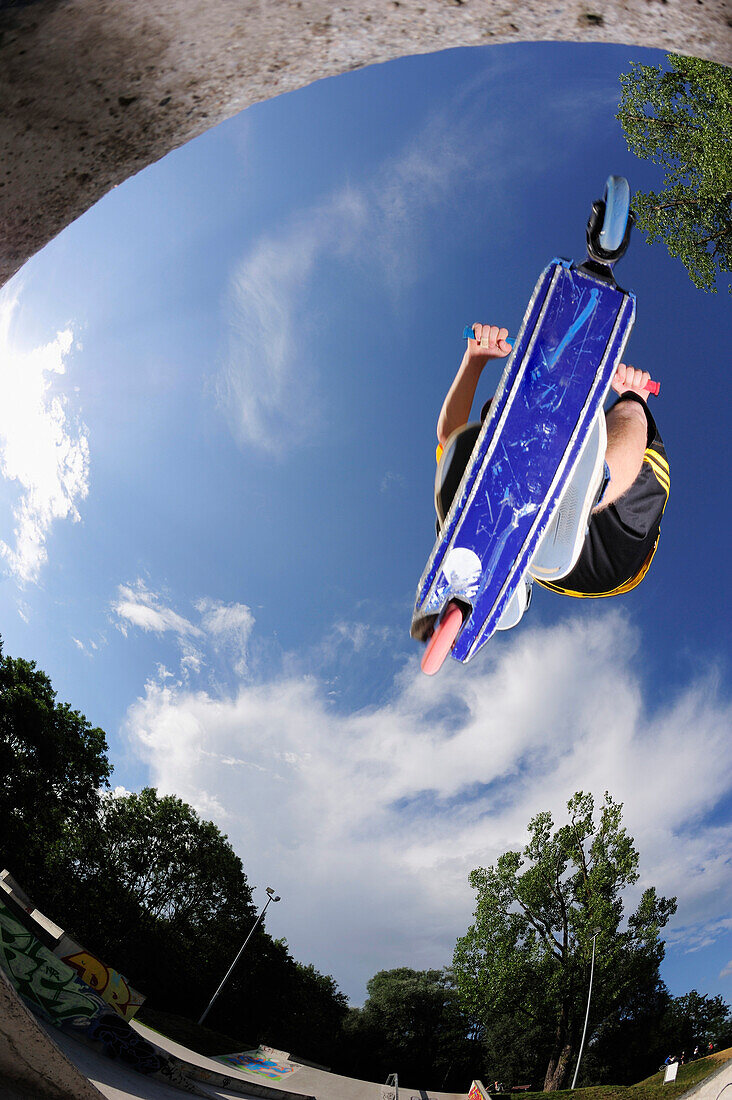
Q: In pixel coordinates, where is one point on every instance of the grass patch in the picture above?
(653, 1088)
(201, 1039)
(688, 1077)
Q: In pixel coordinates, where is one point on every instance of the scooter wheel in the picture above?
(617, 210)
(442, 640)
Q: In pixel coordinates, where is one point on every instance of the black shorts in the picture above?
(622, 538)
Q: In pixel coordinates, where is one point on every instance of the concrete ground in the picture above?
(92, 91)
(306, 1080)
(37, 1062)
(116, 1081)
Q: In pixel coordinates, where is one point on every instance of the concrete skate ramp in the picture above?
(712, 1087)
(31, 1064)
(91, 91)
(315, 1084)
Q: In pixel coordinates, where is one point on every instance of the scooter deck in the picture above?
(554, 384)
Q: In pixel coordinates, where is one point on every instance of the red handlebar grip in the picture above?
(653, 387)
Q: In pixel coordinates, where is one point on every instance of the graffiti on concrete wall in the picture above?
(41, 979)
(259, 1062)
(56, 992)
(111, 986)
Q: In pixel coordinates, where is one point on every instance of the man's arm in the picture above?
(489, 343)
(627, 431)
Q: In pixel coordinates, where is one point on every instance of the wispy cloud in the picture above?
(221, 627)
(462, 156)
(44, 446)
(137, 606)
(269, 386)
(269, 398)
(389, 480)
(356, 812)
(228, 626)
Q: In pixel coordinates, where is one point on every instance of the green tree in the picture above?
(695, 1019)
(682, 120)
(288, 1004)
(629, 1044)
(162, 895)
(411, 1024)
(159, 891)
(141, 880)
(522, 968)
(52, 764)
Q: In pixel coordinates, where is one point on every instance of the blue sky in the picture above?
(219, 395)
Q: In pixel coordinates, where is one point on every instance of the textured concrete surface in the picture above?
(116, 1081)
(716, 1085)
(307, 1082)
(91, 91)
(31, 1065)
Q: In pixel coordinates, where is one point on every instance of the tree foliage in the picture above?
(142, 881)
(696, 1019)
(52, 764)
(157, 851)
(523, 966)
(681, 119)
(151, 885)
(411, 1024)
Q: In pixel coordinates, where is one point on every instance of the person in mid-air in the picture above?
(625, 521)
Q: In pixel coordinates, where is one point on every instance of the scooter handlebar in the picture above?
(651, 386)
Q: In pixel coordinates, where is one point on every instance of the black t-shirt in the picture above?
(622, 538)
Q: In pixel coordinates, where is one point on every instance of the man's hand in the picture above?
(630, 379)
(489, 342)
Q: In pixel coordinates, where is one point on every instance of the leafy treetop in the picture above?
(681, 119)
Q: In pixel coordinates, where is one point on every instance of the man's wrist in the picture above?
(474, 363)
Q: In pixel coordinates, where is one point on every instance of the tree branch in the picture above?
(661, 121)
(543, 931)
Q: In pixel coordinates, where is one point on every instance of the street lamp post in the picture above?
(595, 934)
(271, 896)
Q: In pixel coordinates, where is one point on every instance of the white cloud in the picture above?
(726, 972)
(229, 627)
(44, 447)
(223, 628)
(138, 606)
(389, 480)
(369, 822)
(117, 792)
(80, 645)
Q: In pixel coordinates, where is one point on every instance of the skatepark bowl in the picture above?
(40, 1062)
(93, 91)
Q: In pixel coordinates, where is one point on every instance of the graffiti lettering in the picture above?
(111, 986)
(39, 976)
(120, 1041)
(256, 1061)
